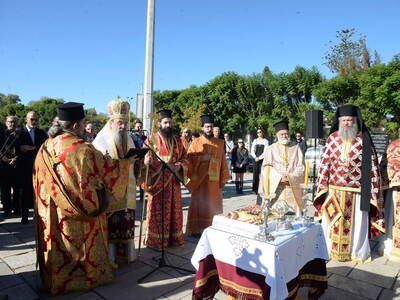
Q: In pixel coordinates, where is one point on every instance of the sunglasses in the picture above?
(33, 119)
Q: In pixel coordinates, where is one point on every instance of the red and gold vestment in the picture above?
(339, 180)
(393, 173)
(71, 223)
(171, 151)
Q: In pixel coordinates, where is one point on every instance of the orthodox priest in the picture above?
(207, 176)
(70, 179)
(283, 170)
(114, 140)
(391, 188)
(162, 182)
(348, 188)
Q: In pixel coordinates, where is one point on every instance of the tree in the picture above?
(8, 99)
(254, 99)
(13, 109)
(377, 58)
(337, 91)
(349, 55)
(46, 108)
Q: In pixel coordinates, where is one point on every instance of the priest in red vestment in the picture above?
(349, 199)
(70, 180)
(163, 184)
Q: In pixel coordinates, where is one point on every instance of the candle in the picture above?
(306, 175)
(267, 180)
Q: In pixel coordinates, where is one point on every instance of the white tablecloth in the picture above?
(279, 262)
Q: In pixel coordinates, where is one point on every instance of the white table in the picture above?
(279, 261)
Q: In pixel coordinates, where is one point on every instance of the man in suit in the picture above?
(28, 144)
(8, 168)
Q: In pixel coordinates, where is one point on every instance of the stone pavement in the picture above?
(20, 280)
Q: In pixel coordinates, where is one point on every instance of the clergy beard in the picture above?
(348, 133)
(120, 139)
(166, 132)
(283, 141)
(209, 136)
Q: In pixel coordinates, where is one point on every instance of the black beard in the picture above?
(209, 136)
(166, 132)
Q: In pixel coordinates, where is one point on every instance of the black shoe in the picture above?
(24, 221)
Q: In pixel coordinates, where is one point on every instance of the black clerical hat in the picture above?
(71, 111)
(281, 125)
(164, 113)
(207, 119)
(348, 110)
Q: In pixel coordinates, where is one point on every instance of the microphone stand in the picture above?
(161, 261)
(6, 147)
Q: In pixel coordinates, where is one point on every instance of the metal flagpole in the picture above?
(148, 104)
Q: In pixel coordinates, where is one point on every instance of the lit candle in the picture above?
(306, 174)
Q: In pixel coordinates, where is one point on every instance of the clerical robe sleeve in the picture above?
(89, 172)
(393, 163)
(323, 174)
(181, 158)
(298, 165)
(197, 170)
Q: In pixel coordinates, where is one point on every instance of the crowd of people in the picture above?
(88, 181)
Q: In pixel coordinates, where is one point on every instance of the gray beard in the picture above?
(284, 141)
(348, 133)
(120, 139)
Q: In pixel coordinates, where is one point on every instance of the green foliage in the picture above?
(337, 91)
(8, 99)
(97, 119)
(376, 90)
(46, 108)
(349, 54)
(243, 103)
(18, 110)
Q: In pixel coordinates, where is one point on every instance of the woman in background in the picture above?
(257, 149)
(240, 157)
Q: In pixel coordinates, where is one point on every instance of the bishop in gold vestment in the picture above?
(114, 140)
(70, 179)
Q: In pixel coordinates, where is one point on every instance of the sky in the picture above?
(91, 51)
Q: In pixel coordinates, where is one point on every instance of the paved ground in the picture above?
(20, 280)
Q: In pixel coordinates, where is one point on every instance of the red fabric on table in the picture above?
(213, 275)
